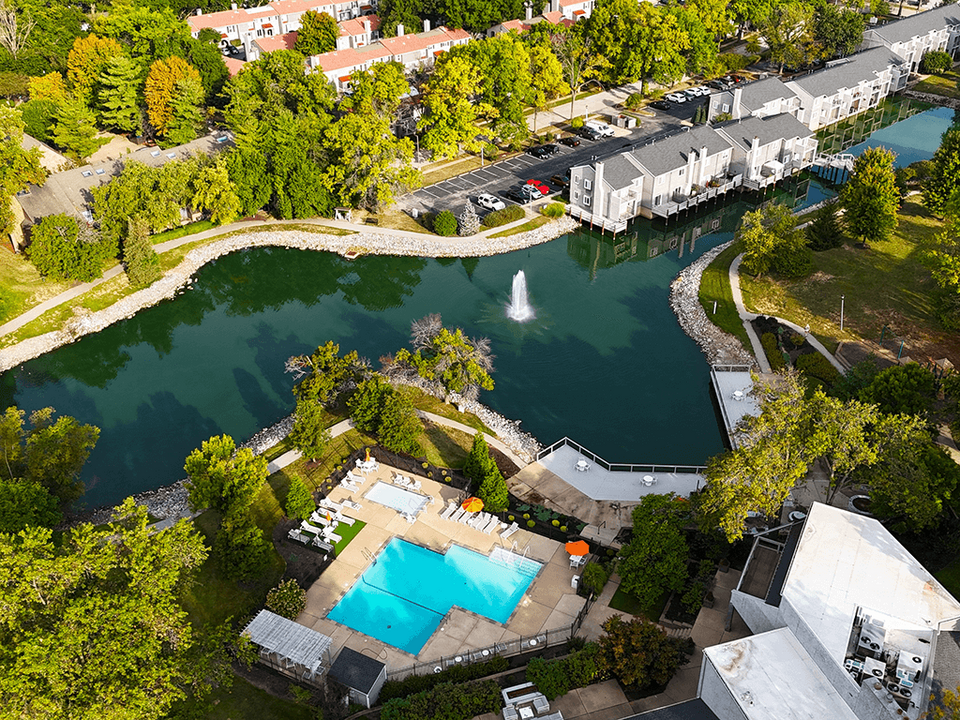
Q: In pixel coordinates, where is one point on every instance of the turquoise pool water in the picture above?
(402, 598)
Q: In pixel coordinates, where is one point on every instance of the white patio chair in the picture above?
(358, 479)
(351, 504)
(448, 511)
(478, 520)
(331, 535)
(577, 560)
(349, 485)
(320, 517)
(509, 531)
(310, 528)
(322, 544)
(458, 514)
(331, 505)
(414, 484)
(345, 519)
(489, 527)
(295, 534)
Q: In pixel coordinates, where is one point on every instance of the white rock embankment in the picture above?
(720, 347)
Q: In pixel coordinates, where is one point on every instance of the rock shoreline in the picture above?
(720, 347)
(170, 501)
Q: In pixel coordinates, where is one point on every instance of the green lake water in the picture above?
(604, 362)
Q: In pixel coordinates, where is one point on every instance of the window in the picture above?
(586, 200)
(682, 170)
(576, 179)
(576, 194)
(725, 107)
(99, 171)
(586, 184)
(171, 155)
(86, 173)
(154, 153)
(658, 200)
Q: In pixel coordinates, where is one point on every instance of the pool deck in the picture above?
(550, 602)
(733, 387)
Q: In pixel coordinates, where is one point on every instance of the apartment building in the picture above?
(761, 98)
(354, 33)
(768, 149)
(911, 37)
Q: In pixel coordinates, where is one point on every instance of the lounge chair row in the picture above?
(484, 522)
(404, 481)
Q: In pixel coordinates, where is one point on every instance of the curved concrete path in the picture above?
(343, 426)
(746, 317)
(78, 290)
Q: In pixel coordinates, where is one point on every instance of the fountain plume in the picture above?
(519, 308)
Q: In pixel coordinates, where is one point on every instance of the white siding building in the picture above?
(911, 37)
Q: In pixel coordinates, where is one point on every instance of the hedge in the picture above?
(558, 677)
(817, 366)
(772, 350)
(456, 674)
(594, 577)
(502, 217)
(447, 702)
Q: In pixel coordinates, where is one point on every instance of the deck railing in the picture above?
(621, 467)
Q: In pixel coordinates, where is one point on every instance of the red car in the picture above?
(541, 186)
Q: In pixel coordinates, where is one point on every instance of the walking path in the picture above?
(746, 317)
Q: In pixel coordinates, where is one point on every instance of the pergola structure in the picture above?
(289, 647)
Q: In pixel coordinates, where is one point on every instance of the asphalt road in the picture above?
(496, 178)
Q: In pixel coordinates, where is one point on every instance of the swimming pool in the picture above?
(401, 500)
(402, 598)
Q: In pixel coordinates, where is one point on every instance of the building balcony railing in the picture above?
(674, 206)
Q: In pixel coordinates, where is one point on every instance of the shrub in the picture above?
(61, 249)
(299, 503)
(639, 653)
(577, 122)
(817, 366)
(13, 85)
(511, 518)
(456, 674)
(509, 214)
(656, 94)
(445, 224)
(772, 350)
(563, 528)
(139, 258)
(796, 339)
(447, 701)
(594, 577)
(731, 62)
(935, 62)
(555, 678)
(555, 523)
(825, 231)
(722, 117)
(531, 523)
(633, 102)
(554, 210)
(526, 516)
(287, 599)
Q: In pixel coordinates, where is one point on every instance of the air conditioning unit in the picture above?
(872, 636)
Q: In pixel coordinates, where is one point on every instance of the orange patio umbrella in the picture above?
(579, 547)
(472, 504)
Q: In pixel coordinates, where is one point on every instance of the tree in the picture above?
(575, 53)
(503, 64)
(906, 389)
(185, 115)
(771, 457)
(318, 33)
(247, 171)
(935, 62)
(76, 130)
(870, 198)
(299, 503)
(15, 27)
(161, 87)
(493, 489)
(119, 103)
(61, 249)
(324, 374)
(240, 546)
(224, 478)
(772, 243)
(655, 561)
(208, 61)
(139, 258)
(400, 12)
(445, 223)
(459, 364)
(546, 79)
(947, 707)
(48, 87)
(87, 60)
(639, 653)
(26, 504)
(214, 193)
(366, 403)
(825, 231)
(469, 222)
(287, 599)
(787, 29)
(147, 32)
(450, 119)
(474, 466)
(399, 427)
(107, 601)
(944, 180)
(309, 433)
(837, 30)
(18, 166)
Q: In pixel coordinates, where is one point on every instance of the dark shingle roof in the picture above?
(672, 152)
(695, 709)
(919, 24)
(849, 72)
(619, 172)
(946, 665)
(757, 94)
(356, 671)
(767, 129)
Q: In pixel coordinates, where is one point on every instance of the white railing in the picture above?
(621, 467)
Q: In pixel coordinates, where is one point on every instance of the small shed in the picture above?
(289, 647)
(363, 676)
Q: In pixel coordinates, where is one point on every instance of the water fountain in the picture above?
(519, 308)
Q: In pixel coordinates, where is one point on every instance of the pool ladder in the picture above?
(370, 556)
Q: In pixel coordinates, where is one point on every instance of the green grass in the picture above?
(715, 287)
(431, 404)
(182, 231)
(945, 85)
(244, 701)
(627, 603)
(529, 225)
(347, 533)
(864, 277)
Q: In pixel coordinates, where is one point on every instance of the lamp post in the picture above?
(841, 312)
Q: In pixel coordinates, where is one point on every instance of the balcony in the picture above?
(686, 202)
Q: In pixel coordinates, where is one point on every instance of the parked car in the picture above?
(701, 90)
(562, 181)
(572, 141)
(660, 105)
(677, 98)
(601, 128)
(590, 134)
(541, 187)
(552, 149)
(490, 202)
(517, 196)
(691, 93)
(734, 79)
(539, 151)
(531, 191)
(718, 84)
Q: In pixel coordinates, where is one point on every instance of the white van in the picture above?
(602, 128)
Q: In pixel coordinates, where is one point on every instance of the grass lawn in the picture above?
(429, 403)
(529, 225)
(627, 603)
(945, 85)
(348, 533)
(391, 217)
(865, 278)
(22, 286)
(243, 701)
(182, 231)
(447, 170)
(715, 287)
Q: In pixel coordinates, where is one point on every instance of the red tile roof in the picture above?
(277, 42)
(423, 41)
(350, 28)
(351, 57)
(233, 65)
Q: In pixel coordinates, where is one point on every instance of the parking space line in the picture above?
(432, 195)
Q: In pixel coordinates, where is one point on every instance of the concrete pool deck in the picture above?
(549, 603)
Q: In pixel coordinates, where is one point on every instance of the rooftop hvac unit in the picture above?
(872, 636)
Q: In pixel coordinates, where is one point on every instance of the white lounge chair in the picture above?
(409, 517)
(345, 519)
(479, 521)
(458, 514)
(349, 485)
(351, 504)
(330, 504)
(509, 531)
(358, 479)
(331, 535)
(467, 517)
(296, 534)
(320, 517)
(450, 509)
(322, 544)
(494, 522)
(414, 484)
(310, 528)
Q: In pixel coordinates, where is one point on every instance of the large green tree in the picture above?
(119, 94)
(870, 198)
(186, 116)
(639, 653)
(214, 194)
(944, 180)
(503, 64)
(451, 118)
(309, 433)
(323, 374)
(772, 243)
(17, 165)
(837, 30)
(318, 33)
(655, 560)
(788, 31)
(400, 12)
(90, 627)
(76, 130)
(224, 478)
(61, 249)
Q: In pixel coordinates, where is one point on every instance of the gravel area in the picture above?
(720, 347)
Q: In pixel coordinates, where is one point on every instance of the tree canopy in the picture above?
(655, 560)
(772, 243)
(318, 33)
(870, 198)
(224, 478)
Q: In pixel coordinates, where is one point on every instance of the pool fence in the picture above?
(517, 646)
(621, 467)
